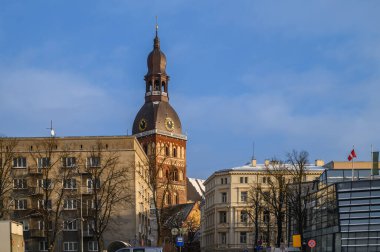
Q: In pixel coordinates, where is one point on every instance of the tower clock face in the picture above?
(142, 124)
(169, 124)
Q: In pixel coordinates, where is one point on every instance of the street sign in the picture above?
(297, 241)
(179, 241)
(174, 231)
(312, 243)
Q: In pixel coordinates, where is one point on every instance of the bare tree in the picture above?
(108, 189)
(55, 184)
(298, 189)
(274, 195)
(7, 154)
(255, 209)
(162, 174)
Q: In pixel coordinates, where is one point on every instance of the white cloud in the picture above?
(31, 97)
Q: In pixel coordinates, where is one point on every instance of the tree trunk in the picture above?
(279, 232)
(256, 229)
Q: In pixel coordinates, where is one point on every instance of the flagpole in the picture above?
(372, 161)
(353, 171)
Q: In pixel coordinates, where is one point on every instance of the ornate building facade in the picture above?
(159, 130)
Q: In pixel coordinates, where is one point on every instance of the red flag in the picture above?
(352, 155)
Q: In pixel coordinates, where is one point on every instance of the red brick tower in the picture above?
(158, 129)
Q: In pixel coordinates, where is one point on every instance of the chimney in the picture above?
(254, 162)
(319, 162)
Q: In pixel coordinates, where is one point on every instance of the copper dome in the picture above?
(156, 115)
(156, 59)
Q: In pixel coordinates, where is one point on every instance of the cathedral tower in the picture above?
(159, 131)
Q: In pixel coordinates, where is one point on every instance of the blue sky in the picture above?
(287, 75)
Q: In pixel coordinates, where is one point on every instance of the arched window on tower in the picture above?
(167, 151)
(176, 198)
(169, 199)
(145, 147)
(174, 152)
(175, 175)
(160, 173)
(156, 85)
(149, 87)
(163, 86)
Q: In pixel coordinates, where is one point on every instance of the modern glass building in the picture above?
(344, 214)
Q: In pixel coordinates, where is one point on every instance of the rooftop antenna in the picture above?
(253, 150)
(52, 133)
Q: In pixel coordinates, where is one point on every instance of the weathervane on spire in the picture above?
(156, 27)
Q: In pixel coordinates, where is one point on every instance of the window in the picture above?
(224, 197)
(91, 183)
(92, 246)
(175, 175)
(43, 162)
(68, 162)
(70, 225)
(266, 180)
(43, 204)
(21, 204)
(243, 237)
(70, 246)
(70, 184)
(19, 184)
(41, 225)
(93, 162)
(25, 225)
(176, 198)
(223, 217)
(223, 238)
(167, 151)
(43, 246)
(44, 183)
(19, 162)
(169, 199)
(243, 180)
(70, 204)
(94, 204)
(145, 147)
(243, 196)
(174, 152)
(223, 181)
(244, 216)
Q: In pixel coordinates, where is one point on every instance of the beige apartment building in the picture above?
(66, 176)
(225, 223)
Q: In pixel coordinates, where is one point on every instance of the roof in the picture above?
(258, 168)
(155, 115)
(177, 214)
(198, 186)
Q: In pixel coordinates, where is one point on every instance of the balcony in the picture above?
(35, 233)
(86, 190)
(35, 170)
(88, 233)
(36, 190)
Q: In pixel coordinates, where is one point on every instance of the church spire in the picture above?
(156, 78)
